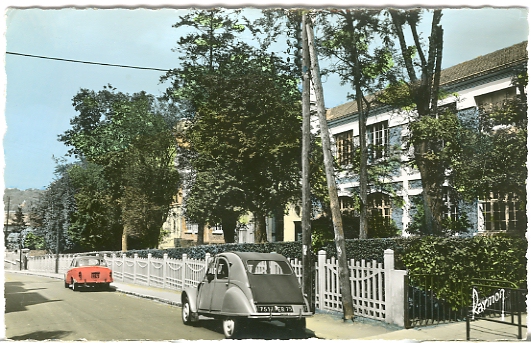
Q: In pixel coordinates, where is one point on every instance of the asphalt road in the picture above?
(40, 308)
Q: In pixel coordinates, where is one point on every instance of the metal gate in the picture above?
(425, 307)
(497, 301)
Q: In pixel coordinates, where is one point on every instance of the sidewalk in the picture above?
(328, 325)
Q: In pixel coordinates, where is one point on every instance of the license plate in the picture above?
(95, 275)
(275, 309)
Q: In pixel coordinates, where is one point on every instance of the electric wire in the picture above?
(85, 62)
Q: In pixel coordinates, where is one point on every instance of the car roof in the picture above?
(247, 256)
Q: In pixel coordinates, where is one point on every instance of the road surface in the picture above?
(40, 308)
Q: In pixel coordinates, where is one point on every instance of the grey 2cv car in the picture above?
(240, 287)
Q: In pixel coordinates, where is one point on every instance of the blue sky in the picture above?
(39, 92)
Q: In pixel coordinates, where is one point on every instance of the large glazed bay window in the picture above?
(378, 140)
(501, 212)
(344, 147)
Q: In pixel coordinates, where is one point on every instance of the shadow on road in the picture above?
(259, 330)
(42, 335)
(21, 297)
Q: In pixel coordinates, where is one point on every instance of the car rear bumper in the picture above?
(271, 316)
(94, 282)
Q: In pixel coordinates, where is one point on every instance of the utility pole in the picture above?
(307, 261)
(339, 236)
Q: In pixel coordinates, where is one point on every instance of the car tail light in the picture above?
(80, 275)
(110, 274)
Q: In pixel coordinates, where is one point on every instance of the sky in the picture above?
(39, 92)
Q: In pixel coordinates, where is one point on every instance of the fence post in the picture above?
(321, 277)
(395, 291)
(149, 269)
(135, 260)
(123, 266)
(185, 269)
(164, 268)
(113, 257)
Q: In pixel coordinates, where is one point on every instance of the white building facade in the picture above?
(477, 82)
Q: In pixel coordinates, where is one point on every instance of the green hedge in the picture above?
(288, 249)
(455, 261)
(368, 249)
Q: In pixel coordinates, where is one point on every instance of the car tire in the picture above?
(232, 327)
(66, 284)
(186, 315)
(74, 286)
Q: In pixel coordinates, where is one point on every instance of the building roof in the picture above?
(481, 65)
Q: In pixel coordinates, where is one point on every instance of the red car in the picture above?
(88, 271)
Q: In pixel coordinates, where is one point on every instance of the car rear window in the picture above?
(91, 262)
(267, 267)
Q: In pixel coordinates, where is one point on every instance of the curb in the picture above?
(149, 297)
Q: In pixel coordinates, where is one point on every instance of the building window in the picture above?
(192, 228)
(451, 209)
(344, 147)
(346, 203)
(217, 229)
(378, 140)
(500, 212)
(379, 205)
(495, 100)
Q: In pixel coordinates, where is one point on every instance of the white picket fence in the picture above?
(377, 289)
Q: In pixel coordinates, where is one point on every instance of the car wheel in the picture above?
(186, 312)
(66, 284)
(231, 327)
(74, 287)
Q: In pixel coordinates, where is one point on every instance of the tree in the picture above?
(493, 154)
(420, 89)
(243, 142)
(51, 216)
(18, 225)
(339, 237)
(97, 222)
(348, 37)
(128, 142)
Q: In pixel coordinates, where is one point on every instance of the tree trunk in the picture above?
(343, 271)
(431, 192)
(124, 239)
(260, 234)
(362, 126)
(425, 92)
(200, 233)
(307, 270)
(228, 225)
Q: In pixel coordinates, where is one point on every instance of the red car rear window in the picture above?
(82, 262)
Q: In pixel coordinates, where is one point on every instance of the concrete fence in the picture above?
(378, 290)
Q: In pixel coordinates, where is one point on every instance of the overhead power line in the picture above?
(85, 62)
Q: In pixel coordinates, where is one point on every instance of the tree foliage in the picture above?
(419, 90)
(493, 155)
(244, 126)
(127, 179)
(51, 216)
